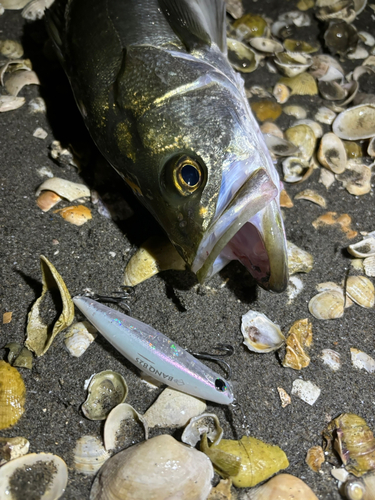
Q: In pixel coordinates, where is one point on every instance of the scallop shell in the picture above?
(15, 447)
(266, 109)
(299, 261)
(89, 455)
(326, 68)
(282, 487)
(158, 469)
(10, 48)
(260, 333)
(269, 128)
(47, 200)
(361, 290)
(250, 25)
(115, 435)
(79, 337)
(364, 248)
(302, 84)
(106, 390)
(332, 153)
(340, 37)
(12, 395)
(173, 409)
(357, 122)
(42, 472)
(208, 424)
(327, 305)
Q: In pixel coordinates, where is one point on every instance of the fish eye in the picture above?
(187, 175)
(220, 385)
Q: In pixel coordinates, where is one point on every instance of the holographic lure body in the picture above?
(156, 354)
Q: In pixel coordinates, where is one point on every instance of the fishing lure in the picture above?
(156, 354)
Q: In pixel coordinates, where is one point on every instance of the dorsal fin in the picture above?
(55, 23)
(197, 21)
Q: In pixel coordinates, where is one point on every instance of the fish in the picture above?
(161, 101)
(156, 354)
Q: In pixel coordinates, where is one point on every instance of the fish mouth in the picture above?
(250, 230)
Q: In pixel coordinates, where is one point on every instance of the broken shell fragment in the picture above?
(66, 189)
(327, 305)
(285, 200)
(47, 200)
(159, 468)
(106, 390)
(299, 261)
(79, 337)
(41, 474)
(19, 356)
(299, 337)
(89, 455)
(302, 136)
(306, 390)
(40, 335)
(292, 64)
(12, 395)
(9, 103)
(77, 215)
(155, 255)
(35, 9)
(11, 448)
(333, 218)
(357, 178)
(361, 290)
(208, 424)
(311, 195)
(362, 361)
(118, 428)
(241, 56)
(356, 123)
(260, 333)
(325, 115)
(331, 358)
(327, 178)
(284, 397)
(16, 81)
(369, 266)
(173, 409)
(332, 154)
(315, 458)
(326, 68)
(282, 487)
(256, 460)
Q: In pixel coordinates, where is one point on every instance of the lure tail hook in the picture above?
(119, 297)
(227, 350)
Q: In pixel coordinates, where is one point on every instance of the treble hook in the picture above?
(118, 298)
(237, 408)
(228, 351)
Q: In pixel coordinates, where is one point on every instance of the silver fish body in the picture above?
(156, 354)
(165, 108)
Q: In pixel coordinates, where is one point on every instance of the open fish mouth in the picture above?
(249, 229)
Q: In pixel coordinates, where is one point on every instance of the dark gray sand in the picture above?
(196, 317)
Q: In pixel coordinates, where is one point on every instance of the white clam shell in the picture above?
(29, 467)
(173, 409)
(332, 154)
(106, 390)
(331, 358)
(362, 361)
(327, 305)
(66, 189)
(158, 469)
(364, 248)
(113, 425)
(361, 290)
(315, 126)
(16, 81)
(325, 115)
(89, 455)
(260, 333)
(355, 123)
(78, 338)
(207, 423)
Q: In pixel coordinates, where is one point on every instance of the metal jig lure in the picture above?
(156, 354)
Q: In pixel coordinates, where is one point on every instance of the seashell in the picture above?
(357, 265)
(371, 147)
(355, 123)
(79, 337)
(11, 448)
(16, 81)
(362, 361)
(331, 358)
(63, 156)
(37, 105)
(294, 288)
(106, 390)
(351, 438)
(247, 461)
(332, 90)
(13, 65)
(302, 84)
(279, 146)
(241, 56)
(299, 261)
(260, 333)
(40, 335)
(284, 397)
(315, 126)
(47, 200)
(340, 474)
(160, 468)
(285, 199)
(208, 424)
(302, 136)
(77, 215)
(292, 64)
(327, 305)
(10, 48)
(296, 17)
(271, 129)
(66, 189)
(234, 8)
(267, 45)
(296, 169)
(325, 115)
(369, 266)
(306, 390)
(281, 93)
(340, 37)
(364, 248)
(250, 26)
(281, 29)
(266, 109)
(357, 178)
(299, 46)
(282, 487)
(361, 290)
(359, 52)
(35, 9)
(12, 395)
(311, 195)
(19, 356)
(327, 178)
(173, 409)
(42, 476)
(40, 133)
(155, 255)
(360, 488)
(326, 68)
(89, 455)
(367, 38)
(299, 337)
(119, 428)
(333, 218)
(9, 103)
(332, 154)
(296, 111)
(315, 458)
